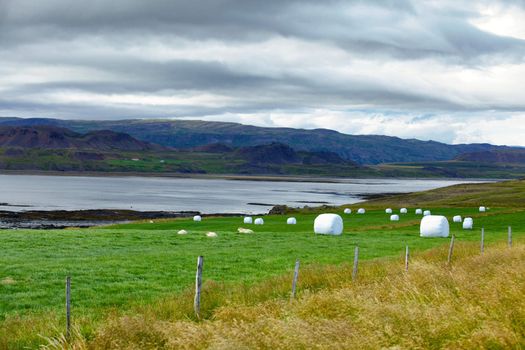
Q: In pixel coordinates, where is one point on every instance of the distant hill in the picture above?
(502, 156)
(51, 137)
(278, 153)
(189, 134)
(52, 148)
(214, 148)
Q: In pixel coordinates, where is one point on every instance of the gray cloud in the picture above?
(132, 58)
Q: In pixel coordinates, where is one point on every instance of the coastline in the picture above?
(233, 177)
(59, 219)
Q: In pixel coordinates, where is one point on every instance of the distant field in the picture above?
(189, 162)
(125, 266)
(454, 169)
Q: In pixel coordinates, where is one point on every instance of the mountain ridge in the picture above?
(51, 137)
(188, 134)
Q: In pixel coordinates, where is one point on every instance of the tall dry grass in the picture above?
(476, 303)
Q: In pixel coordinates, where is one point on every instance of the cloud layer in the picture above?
(447, 70)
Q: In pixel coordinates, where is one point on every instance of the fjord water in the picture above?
(34, 192)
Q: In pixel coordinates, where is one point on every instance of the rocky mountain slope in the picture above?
(187, 134)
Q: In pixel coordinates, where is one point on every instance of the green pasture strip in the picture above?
(136, 263)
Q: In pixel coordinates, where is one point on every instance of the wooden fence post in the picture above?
(509, 237)
(68, 307)
(451, 249)
(198, 286)
(482, 248)
(406, 258)
(295, 277)
(356, 262)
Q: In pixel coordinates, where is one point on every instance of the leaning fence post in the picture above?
(509, 238)
(482, 248)
(68, 307)
(356, 262)
(451, 249)
(198, 285)
(406, 258)
(295, 276)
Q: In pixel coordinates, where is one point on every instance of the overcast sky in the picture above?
(448, 70)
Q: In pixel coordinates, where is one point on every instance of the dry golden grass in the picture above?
(505, 194)
(476, 303)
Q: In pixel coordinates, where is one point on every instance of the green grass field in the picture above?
(132, 265)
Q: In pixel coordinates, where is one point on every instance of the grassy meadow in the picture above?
(126, 277)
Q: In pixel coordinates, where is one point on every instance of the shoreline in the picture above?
(232, 177)
(59, 219)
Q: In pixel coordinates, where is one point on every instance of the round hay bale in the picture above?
(361, 211)
(403, 210)
(248, 220)
(348, 211)
(259, 221)
(394, 217)
(197, 218)
(419, 211)
(388, 210)
(468, 224)
(328, 224)
(291, 221)
(434, 226)
(457, 218)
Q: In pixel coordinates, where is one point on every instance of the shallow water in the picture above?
(35, 192)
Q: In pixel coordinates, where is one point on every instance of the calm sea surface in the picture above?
(31, 192)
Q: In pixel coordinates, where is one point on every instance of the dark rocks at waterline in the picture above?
(370, 196)
(53, 225)
(57, 219)
(92, 215)
(52, 219)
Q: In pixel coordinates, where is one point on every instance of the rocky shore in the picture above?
(37, 219)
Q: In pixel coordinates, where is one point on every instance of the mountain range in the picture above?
(49, 137)
(198, 147)
(188, 134)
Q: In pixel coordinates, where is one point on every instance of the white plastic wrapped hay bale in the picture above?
(457, 218)
(434, 226)
(361, 211)
(328, 224)
(248, 220)
(348, 211)
(427, 213)
(291, 221)
(468, 224)
(259, 221)
(394, 217)
(403, 210)
(388, 210)
(197, 218)
(482, 209)
(419, 211)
